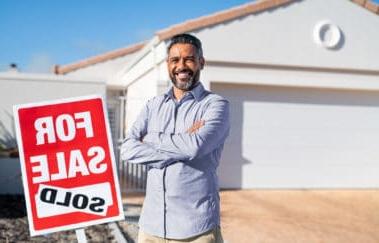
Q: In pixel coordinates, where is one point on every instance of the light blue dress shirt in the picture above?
(182, 198)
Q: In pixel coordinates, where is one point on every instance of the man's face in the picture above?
(184, 65)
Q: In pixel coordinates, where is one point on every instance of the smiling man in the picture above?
(180, 136)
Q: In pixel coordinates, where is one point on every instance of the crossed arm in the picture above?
(161, 149)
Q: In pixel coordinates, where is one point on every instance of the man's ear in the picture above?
(202, 62)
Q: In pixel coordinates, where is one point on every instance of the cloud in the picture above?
(40, 63)
(89, 46)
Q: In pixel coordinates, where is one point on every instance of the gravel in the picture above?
(14, 225)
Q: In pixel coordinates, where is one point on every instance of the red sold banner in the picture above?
(68, 166)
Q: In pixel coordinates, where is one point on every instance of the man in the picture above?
(180, 136)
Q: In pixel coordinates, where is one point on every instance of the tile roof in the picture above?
(198, 23)
(98, 59)
(369, 5)
(222, 16)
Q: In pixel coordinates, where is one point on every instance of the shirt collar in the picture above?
(196, 92)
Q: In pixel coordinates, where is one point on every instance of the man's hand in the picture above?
(196, 126)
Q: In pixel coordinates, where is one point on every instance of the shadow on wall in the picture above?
(10, 171)
(232, 161)
(8, 142)
(7, 138)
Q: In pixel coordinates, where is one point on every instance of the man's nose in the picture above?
(181, 64)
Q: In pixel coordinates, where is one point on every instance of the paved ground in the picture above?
(300, 216)
(337, 216)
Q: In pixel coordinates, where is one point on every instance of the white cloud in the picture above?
(89, 46)
(40, 63)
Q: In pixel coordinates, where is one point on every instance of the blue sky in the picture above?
(37, 34)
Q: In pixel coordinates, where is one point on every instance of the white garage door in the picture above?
(285, 137)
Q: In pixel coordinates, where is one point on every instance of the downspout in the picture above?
(122, 128)
(123, 101)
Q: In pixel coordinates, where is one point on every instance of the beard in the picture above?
(188, 83)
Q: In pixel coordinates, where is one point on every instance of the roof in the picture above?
(195, 24)
(98, 59)
(369, 5)
(222, 16)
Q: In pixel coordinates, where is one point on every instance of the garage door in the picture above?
(285, 137)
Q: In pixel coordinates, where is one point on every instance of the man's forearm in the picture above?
(137, 152)
(161, 149)
(200, 139)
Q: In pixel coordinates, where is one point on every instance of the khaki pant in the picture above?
(212, 236)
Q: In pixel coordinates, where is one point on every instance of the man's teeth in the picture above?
(183, 75)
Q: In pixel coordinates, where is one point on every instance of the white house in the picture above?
(303, 81)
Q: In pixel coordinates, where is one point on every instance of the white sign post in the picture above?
(81, 236)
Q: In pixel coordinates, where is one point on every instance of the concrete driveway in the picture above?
(337, 216)
(291, 216)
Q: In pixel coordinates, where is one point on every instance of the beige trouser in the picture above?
(212, 236)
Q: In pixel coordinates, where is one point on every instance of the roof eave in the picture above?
(98, 59)
(220, 17)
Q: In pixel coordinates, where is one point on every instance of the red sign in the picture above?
(68, 166)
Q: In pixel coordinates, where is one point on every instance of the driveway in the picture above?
(300, 216)
(281, 216)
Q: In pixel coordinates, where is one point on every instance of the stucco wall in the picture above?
(138, 93)
(285, 36)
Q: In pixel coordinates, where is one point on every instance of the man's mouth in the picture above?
(186, 74)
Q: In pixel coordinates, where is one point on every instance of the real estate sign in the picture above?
(68, 166)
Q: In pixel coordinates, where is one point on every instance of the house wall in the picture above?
(138, 94)
(284, 36)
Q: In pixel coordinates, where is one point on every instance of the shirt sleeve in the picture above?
(185, 146)
(160, 149)
(133, 150)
